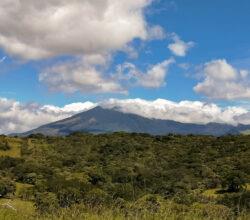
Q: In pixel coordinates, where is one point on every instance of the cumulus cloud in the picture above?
(153, 77)
(18, 117)
(84, 75)
(223, 81)
(91, 29)
(61, 27)
(179, 47)
(89, 75)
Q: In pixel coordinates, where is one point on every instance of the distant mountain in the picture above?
(100, 120)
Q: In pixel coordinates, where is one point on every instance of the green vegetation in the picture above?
(125, 176)
(10, 146)
(246, 132)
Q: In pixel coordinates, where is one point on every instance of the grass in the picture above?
(25, 210)
(248, 186)
(20, 187)
(15, 209)
(15, 151)
(245, 132)
(211, 193)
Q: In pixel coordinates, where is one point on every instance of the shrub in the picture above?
(46, 202)
(6, 187)
(234, 181)
(96, 197)
(69, 196)
(237, 201)
(212, 211)
(151, 203)
(5, 146)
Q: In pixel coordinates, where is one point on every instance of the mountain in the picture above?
(100, 120)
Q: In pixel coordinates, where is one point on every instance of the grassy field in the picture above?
(18, 209)
(213, 193)
(15, 144)
(24, 210)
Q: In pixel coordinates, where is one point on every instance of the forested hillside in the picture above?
(125, 176)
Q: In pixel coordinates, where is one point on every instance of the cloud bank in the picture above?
(223, 81)
(18, 117)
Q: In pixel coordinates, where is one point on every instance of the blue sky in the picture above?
(220, 30)
(210, 57)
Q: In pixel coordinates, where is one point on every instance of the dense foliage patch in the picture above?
(130, 172)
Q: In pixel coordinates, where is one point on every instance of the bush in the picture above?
(124, 191)
(212, 211)
(237, 201)
(96, 197)
(150, 203)
(26, 193)
(5, 146)
(46, 202)
(7, 162)
(234, 181)
(69, 196)
(6, 187)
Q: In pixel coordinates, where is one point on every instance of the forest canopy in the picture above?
(131, 173)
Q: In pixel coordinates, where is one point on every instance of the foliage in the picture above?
(237, 201)
(5, 146)
(46, 202)
(234, 181)
(6, 186)
(129, 175)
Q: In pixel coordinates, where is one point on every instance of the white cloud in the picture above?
(70, 108)
(89, 75)
(153, 77)
(179, 47)
(156, 32)
(18, 117)
(91, 29)
(84, 75)
(184, 111)
(223, 81)
(61, 27)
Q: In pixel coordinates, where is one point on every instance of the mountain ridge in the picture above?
(103, 120)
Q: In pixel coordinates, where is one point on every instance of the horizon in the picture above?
(176, 60)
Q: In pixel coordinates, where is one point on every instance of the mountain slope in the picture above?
(100, 120)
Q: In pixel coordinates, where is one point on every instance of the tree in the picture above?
(234, 181)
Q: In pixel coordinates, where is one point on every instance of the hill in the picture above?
(100, 120)
(125, 176)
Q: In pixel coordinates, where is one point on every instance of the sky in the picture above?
(184, 60)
